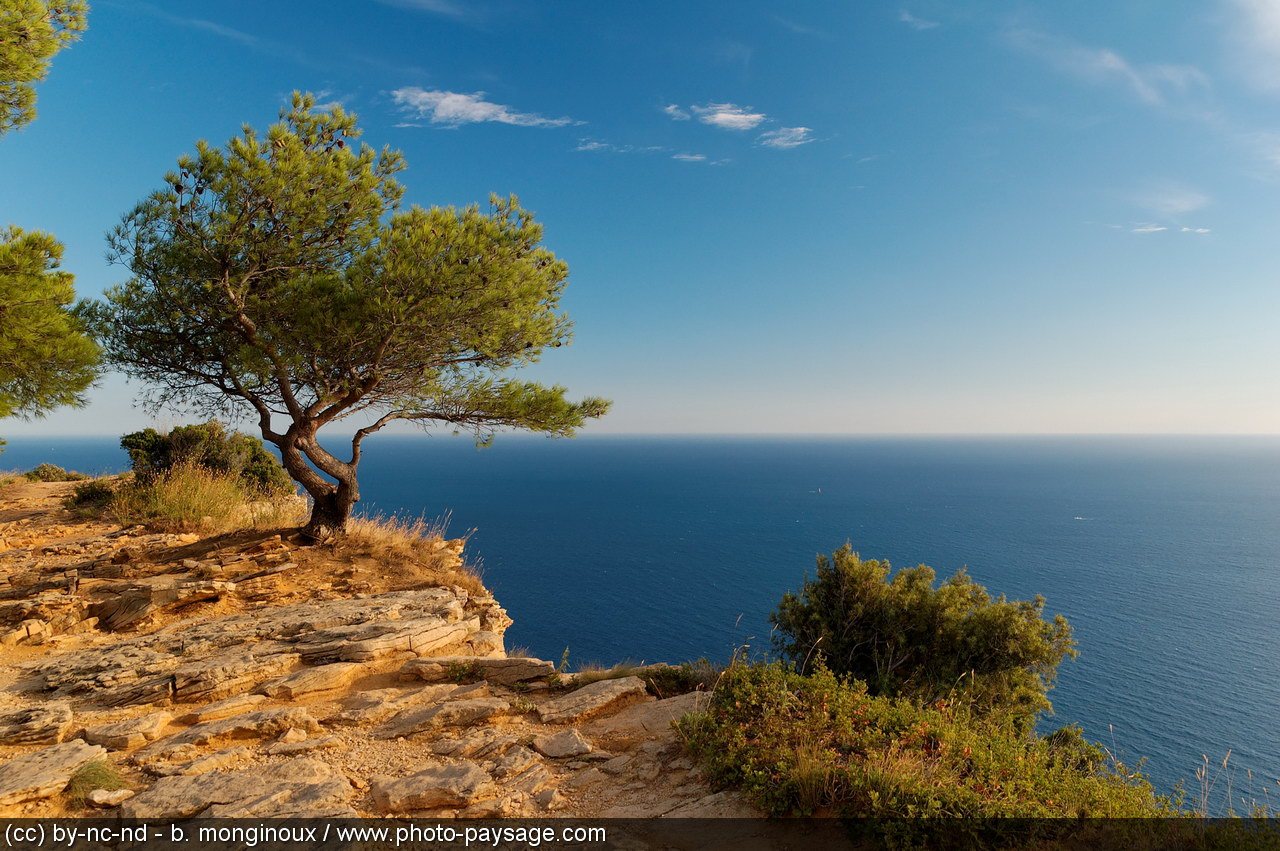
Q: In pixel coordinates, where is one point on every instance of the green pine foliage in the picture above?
(46, 358)
(279, 273)
(902, 635)
(31, 32)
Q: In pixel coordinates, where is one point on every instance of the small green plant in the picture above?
(462, 672)
(53, 473)
(90, 498)
(522, 705)
(98, 774)
(556, 677)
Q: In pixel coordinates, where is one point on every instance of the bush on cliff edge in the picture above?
(905, 637)
(821, 743)
(210, 446)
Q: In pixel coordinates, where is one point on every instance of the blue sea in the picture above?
(1164, 553)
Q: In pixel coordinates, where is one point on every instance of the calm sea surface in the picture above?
(1163, 552)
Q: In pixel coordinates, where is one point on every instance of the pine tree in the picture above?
(280, 275)
(31, 32)
(46, 359)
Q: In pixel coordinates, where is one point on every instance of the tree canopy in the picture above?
(280, 275)
(46, 359)
(31, 32)
(905, 637)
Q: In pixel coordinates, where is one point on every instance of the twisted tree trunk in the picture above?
(329, 514)
(331, 504)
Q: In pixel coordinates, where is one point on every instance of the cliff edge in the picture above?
(174, 675)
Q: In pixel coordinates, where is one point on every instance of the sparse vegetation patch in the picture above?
(53, 473)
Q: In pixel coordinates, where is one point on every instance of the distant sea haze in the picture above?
(1164, 553)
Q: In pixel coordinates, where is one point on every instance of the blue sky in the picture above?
(853, 217)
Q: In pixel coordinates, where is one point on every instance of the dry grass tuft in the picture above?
(663, 680)
(98, 774)
(274, 512)
(414, 547)
(397, 537)
(815, 777)
(190, 498)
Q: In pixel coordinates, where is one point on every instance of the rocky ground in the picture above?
(243, 675)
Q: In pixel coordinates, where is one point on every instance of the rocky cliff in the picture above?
(242, 675)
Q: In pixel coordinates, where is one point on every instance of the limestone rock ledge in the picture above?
(214, 679)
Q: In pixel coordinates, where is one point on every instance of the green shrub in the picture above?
(803, 744)
(91, 497)
(208, 445)
(904, 637)
(53, 473)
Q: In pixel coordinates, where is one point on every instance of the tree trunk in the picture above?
(330, 504)
(329, 514)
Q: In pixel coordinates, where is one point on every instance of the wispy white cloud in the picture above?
(731, 116)
(1257, 34)
(730, 52)
(1150, 83)
(728, 116)
(690, 158)
(1264, 146)
(435, 7)
(1167, 203)
(916, 23)
(453, 109)
(1263, 149)
(322, 61)
(590, 145)
(329, 99)
(786, 137)
(229, 33)
(1152, 227)
(801, 29)
(1171, 200)
(218, 29)
(247, 40)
